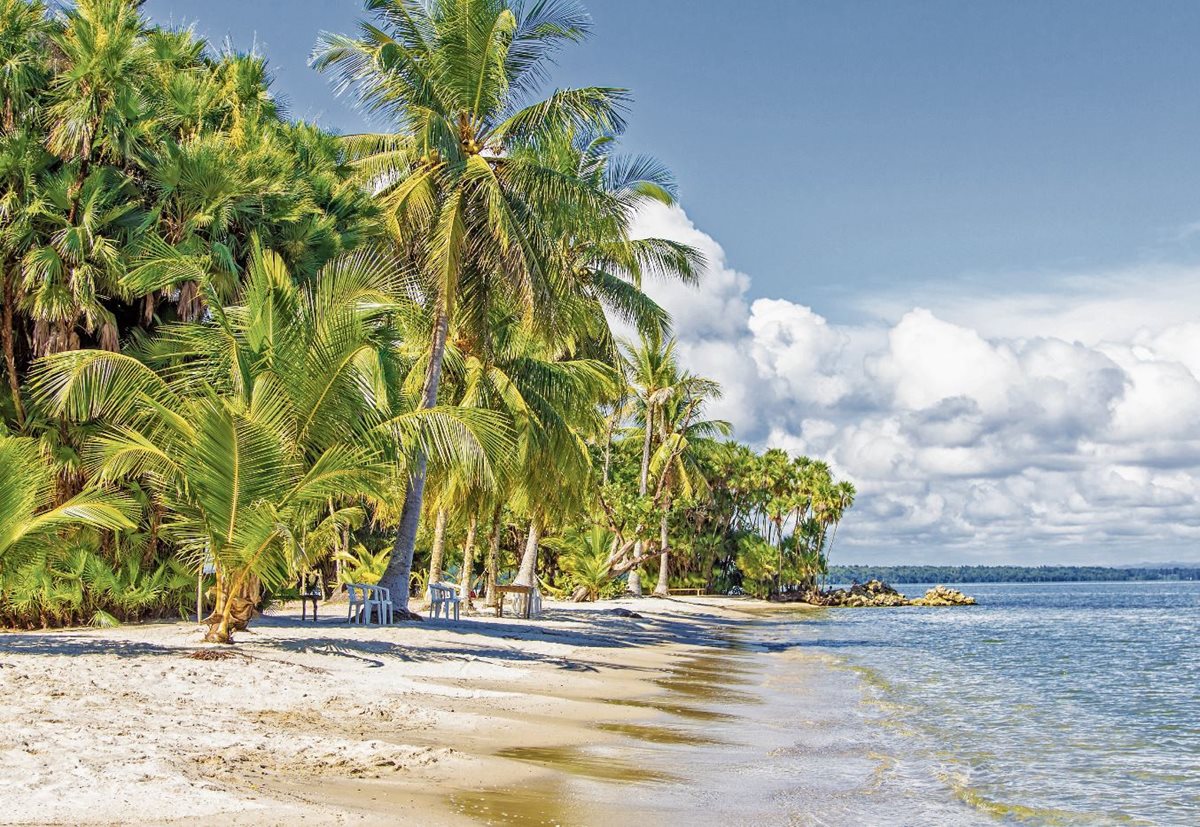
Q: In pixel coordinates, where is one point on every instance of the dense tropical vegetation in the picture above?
(240, 348)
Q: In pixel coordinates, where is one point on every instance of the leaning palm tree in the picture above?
(467, 192)
(248, 426)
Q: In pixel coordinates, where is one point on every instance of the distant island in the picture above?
(1007, 574)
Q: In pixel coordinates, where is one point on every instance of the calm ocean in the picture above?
(1053, 704)
(1048, 703)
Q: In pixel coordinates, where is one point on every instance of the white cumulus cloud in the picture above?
(1059, 427)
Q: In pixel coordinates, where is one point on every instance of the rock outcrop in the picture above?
(876, 593)
(871, 593)
(943, 596)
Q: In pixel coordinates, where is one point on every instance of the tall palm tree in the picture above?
(25, 31)
(650, 366)
(840, 499)
(684, 435)
(550, 395)
(465, 190)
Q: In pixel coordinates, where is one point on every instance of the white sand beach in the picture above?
(328, 723)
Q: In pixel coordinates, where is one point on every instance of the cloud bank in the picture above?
(1057, 427)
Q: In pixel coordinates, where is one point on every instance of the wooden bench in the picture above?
(442, 598)
(527, 591)
(696, 592)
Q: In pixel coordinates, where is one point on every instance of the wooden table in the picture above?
(514, 589)
(304, 600)
(697, 592)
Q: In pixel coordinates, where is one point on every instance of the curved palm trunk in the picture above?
(398, 575)
(493, 561)
(663, 588)
(634, 583)
(527, 576)
(438, 552)
(468, 566)
(829, 551)
(235, 602)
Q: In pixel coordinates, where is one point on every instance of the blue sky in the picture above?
(954, 247)
(844, 147)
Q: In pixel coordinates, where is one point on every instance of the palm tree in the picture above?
(29, 519)
(583, 557)
(550, 397)
(23, 162)
(840, 499)
(25, 32)
(683, 434)
(96, 109)
(465, 191)
(247, 426)
(25, 29)
(650, 366)
(86, 225)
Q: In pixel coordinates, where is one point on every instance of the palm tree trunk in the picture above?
(710, 562)
(10, 356)
(663, 589)
(493, 559)
(468, 565)
(634, 582)
(608, 438)
(438, 552)
(634, 579)
(527, 576)
(234, 607)
(398, 575)
(829, 551)
(644, 479)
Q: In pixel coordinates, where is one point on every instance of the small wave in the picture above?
(1021, 813)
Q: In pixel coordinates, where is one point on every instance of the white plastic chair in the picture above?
(367, 598)
(442, 598)
(382, 599)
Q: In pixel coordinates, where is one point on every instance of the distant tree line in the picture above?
(1007, 574)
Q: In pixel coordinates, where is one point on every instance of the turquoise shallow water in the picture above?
(1047, 703)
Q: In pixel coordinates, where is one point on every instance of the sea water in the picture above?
(1057, 703)
(1044, 704)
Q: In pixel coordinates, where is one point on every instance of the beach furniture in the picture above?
(365, 599)
(311, 590)
(528, 593)
(442, 598)
(696, 592)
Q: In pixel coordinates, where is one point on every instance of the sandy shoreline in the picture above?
(333, 723)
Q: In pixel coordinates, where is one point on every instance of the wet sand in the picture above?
(482, 721)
